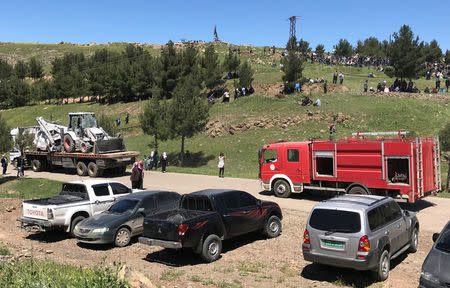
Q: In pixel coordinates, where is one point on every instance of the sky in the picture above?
(260, 23)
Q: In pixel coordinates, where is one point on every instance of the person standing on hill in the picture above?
(155, 160)
(221, 164)
(335, 76)
(325, 87)
(341, 78)
(5, 163)
(365, 86)
(447, 83)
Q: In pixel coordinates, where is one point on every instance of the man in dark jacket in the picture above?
(4, 163)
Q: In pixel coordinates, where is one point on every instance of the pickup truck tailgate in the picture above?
(34, 211)
(164, 226)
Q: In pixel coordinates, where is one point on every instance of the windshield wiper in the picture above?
(332, 231)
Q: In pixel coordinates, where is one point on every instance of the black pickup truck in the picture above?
(207, 217)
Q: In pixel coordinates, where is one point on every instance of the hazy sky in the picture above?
(261, 23)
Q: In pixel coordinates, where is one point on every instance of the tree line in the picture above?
(111, 77)
(407, 55)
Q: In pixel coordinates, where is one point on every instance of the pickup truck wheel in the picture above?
(93, 170)
(212, 247)
(36, 165)
(282, 189)
(414, 241)
(123, 237)
(69, 144)
(74, 223)
(384, 264)
(82, 169)
(272, 228)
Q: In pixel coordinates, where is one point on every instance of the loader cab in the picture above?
(80, 121)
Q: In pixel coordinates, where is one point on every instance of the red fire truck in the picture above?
(368, 163)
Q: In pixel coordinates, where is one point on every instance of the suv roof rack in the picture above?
(337, 199)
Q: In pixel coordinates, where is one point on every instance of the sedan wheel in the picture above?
(123, 237)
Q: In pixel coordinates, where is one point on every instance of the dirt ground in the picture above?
(247, 261)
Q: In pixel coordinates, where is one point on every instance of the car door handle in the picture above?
(399, 226)
(245, 212)
(386, 232)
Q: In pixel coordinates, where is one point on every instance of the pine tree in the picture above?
(447, 57)
(5, 138)
(343, 48)
(291, 45)
(292, 68)
(406, 55)
(144, 78)
(169, 72)
(5, 69)
(36, 69)
(320, 49)
(155, 119)
(432, 52)
(212, 71)
(231, 63)
(245, 75)
(21, 69)
(188, 111)
(303, 47)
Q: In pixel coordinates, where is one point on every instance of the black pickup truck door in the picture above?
(231, 213)
(252, 213)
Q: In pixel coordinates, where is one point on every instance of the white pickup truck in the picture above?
(76, 201)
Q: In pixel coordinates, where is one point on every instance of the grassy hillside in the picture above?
(356, 112)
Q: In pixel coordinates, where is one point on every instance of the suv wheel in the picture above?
(282, 189)
(384, 264)
(212, 247)
(273, 227)
(414, 241)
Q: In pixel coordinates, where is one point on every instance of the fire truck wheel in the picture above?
(357, 190)
(69, 144)
(282, 189)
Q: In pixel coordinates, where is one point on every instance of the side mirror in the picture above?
(435, 236)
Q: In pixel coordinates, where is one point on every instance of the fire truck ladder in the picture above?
(437, 163)
(419, 165)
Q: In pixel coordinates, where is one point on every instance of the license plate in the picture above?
(334, 244)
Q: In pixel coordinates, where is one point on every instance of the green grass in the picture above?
(4, 250)
(28, 188)
(171, 275)
(31, 273)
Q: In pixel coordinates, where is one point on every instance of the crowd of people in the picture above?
(238, 92)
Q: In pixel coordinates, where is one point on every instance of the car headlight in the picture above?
(430, 277)
(100, 230)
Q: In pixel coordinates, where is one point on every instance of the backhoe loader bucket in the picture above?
(109, 146)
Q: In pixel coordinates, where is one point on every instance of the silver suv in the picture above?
(359, 231)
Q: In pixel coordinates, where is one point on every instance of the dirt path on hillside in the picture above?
(252, 260)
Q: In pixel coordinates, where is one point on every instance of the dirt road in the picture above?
(249, 261)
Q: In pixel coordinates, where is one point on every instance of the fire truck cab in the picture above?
(359, 165)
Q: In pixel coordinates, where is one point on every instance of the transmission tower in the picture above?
(293, 20)
(216, 37)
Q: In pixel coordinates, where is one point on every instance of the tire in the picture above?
(357, 190)
(93, 170)
(123, 237)
(414, 241)
(36, 165)
(74, 223)
(69, 144)
(282, 189)
(272, 228)
(211, 249)
(82, 170)
(384, 264)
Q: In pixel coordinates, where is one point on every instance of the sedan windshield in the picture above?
(123, 206)
(444, 241)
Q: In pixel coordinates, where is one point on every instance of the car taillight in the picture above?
(364, 244)
(49, 213)
(306, 237)
(182, 228)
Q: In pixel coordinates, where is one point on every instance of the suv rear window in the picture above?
(335, 220)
